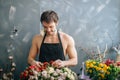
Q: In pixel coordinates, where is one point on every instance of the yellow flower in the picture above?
(108, 72)
(105, 69)
(91, 65)
(93, 62)
(90, 71)
(102, 75)
(101, 65)
(98, 68)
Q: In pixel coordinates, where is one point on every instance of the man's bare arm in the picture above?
(33, 51)
(72, 53)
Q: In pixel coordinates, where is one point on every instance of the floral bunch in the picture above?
(47, 72)
(114, 69)
(107, 70)
(8, 72)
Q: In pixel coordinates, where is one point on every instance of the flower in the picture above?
(8, 72)
(108, 70)
(47, 72)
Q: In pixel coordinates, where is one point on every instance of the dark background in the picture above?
(91, 23)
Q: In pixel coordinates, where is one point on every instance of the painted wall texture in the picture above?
(91, 23)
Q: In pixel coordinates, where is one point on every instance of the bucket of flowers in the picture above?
(108, 70)
(47, 72)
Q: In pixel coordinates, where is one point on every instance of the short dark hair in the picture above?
(49, 16)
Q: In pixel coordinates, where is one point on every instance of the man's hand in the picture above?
(58, 63)
(37, 64)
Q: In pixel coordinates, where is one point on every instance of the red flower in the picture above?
(118, 63)
(109, 61)
(24, 75)
(51, 62)
(32, 67)
(45, 64)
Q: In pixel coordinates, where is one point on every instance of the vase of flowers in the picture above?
(47, 72)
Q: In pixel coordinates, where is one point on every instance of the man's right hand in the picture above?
(37, 64)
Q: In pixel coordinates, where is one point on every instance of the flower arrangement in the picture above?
(7, 73)
(47, 72)
(107, 70)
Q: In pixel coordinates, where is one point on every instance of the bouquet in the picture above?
(47, 72)
(108, 70)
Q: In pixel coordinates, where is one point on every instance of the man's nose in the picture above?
(48, 29)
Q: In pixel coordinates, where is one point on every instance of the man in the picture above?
(54, 45)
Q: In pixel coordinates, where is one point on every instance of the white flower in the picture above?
(39, 73)
(5, 76)
(50, 70)
(33, 78)
(58, 70)
(51, 78)
(65, 74)
(35, 72)
(71, 77)
(67, 69)
(35, 75)
(55, 74)
(13, 64)
(44, 74)
(48, 75)
(10, 57)
(60, 78)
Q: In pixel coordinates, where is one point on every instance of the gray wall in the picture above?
(90, 22)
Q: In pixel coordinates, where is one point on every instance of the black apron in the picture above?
(51, 51)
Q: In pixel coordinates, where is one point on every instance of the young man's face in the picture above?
(50, 28)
